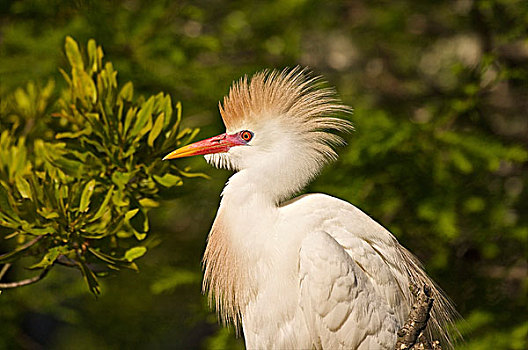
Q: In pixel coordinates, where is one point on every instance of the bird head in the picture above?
(278, 124)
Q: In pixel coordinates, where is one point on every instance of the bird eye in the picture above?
(246, 135)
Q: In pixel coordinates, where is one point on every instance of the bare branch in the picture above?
(24, 282)
(65, 261)
(23, 247)
(411, 336)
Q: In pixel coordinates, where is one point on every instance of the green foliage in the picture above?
(78, 177)
(170, 279)
(223, 340)
(438, 157)
(512, 337)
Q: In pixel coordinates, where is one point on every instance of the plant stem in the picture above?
(4, 270)
(24, 282)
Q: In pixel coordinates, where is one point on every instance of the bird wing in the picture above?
(391, 268)
(372, 255)
(339, 302)
(374, 250)
(365, 252)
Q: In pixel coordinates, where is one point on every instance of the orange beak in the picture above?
(217, 144)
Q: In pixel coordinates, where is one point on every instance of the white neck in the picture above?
(248, 200)
(271, 181)
(236, 241)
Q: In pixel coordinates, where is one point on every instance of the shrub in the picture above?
(79, 175)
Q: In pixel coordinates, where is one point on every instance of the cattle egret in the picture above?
(309, 272)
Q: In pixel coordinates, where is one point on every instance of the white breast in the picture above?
(314, 272)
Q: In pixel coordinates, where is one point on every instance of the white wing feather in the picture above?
(356, 277)
(339, 302)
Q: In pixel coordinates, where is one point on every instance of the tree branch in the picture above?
(63, 260)
(24, 282)
(411, 336)
(21, 248)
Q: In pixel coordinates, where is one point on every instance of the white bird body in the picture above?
(308, 272)
(303, 263)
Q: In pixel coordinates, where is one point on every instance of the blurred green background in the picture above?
(439, 156)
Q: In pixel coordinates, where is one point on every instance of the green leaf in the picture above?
(145, 129)
(167, 109)
(66, 77)
(74, 135)
(86, 195)
(135, 253)
(36, 187)
(23, 101)
(47, 213)
(119, 198)
(37, 231)
(172, 137)
(121, 179)
(92, 55)
(71, 167)
(143, 116)
(84, 84)
(130, 116)
(109, 75)
(139, 236)
(23, 187)
(131, 214)
(156, 129)
(5, 205)
(127, 92)
(168, 180)
(148, 203)
(124, 234)
(73, 53)
(50, 257)
(191, 175)
(113, 261)
(99, 57)
(190, 133)
(104, 204)
(18, 159)
(139, 222)
(90, 278)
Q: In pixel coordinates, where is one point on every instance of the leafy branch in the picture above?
(79, 176)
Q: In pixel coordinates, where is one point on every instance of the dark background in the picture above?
(440, 94)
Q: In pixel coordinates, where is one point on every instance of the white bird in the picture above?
(309, 272)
